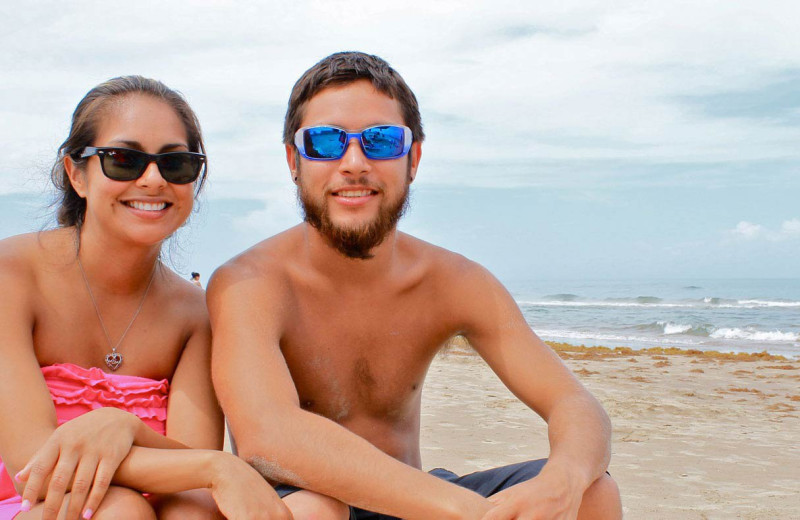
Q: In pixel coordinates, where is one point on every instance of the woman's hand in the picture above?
(81, 455)
(242, 493)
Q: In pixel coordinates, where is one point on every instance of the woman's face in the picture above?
(147, 210)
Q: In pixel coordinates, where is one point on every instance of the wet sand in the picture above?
(695, 436)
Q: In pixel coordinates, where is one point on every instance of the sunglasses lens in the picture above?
(324, 142)
(383, 142)
(123, 165)
(179, 168)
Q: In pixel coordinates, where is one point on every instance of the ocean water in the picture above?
(724, 315)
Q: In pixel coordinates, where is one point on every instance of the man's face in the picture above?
(353, 201)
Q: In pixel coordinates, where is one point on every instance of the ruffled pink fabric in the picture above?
(76, 390)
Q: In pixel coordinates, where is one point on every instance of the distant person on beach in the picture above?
(323, 334)
(105, 372)
(196, 280)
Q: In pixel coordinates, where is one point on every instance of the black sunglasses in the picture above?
(124, 164)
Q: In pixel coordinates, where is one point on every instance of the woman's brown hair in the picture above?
(71, 207)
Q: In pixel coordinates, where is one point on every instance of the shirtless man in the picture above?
(323, 334)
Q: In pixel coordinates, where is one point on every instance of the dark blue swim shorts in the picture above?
(485, 483)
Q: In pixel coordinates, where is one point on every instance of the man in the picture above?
(323, 334)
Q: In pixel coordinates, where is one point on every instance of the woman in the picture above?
(104, 379)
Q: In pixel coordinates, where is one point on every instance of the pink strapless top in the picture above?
(76, 390)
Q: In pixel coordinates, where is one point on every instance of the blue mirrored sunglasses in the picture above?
(328, 143)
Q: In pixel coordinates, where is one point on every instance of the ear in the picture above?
(77, 176)
(414, 155)
(292, 159)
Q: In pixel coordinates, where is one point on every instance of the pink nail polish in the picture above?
(25, 506)
(87, 514)
(16, 477)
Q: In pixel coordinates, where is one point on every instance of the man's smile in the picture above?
(354, 196)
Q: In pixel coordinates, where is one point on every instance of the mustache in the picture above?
(349, 183)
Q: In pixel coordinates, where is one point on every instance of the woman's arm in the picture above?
(27, 412)
(194, 417)
(238, 489)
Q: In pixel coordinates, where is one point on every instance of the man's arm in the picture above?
(288, 444)
(578, 428)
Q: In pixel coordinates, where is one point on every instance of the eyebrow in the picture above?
(136, 145)
(341, 127)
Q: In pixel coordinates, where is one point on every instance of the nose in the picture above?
(354, 162)
(151, 177)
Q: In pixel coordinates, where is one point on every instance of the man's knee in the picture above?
(601, 500)
(124, 504)
(307, 505)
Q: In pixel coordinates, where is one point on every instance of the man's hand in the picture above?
(241, 493)
(553, 495)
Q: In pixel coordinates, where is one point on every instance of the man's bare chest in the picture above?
(361, 358)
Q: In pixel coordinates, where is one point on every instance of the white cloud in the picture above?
(748, 231)
(521, 82)
(790, 228)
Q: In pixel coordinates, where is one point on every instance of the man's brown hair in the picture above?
(343, 68)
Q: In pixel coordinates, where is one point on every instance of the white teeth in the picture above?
(362, 193)
(146, 206)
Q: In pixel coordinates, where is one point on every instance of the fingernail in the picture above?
(16, 477)
(25, 506)
(87, 514)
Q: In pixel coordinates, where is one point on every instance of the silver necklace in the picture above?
(114, 359)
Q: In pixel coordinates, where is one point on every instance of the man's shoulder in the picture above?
(440, 263)
(264, 256)
(262, 266)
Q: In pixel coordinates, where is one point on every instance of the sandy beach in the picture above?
(695, 436)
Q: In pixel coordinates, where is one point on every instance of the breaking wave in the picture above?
(769, 303)
(669, 328)
(752, 334)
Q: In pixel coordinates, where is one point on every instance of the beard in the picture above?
(356, 241)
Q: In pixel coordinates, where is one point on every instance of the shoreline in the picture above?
(459, 345)
(566, 350)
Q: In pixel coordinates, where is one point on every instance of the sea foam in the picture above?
(674, 328)
(769, 303)
(754, 335)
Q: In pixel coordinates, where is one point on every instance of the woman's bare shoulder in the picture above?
(185, 297)
(25, 256)
(29, 264)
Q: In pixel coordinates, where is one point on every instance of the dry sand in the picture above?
(694, 437)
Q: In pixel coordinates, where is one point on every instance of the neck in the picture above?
(117, 267)
(327, 260)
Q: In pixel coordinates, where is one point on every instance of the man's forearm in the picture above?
(309, 451)
(580, 439)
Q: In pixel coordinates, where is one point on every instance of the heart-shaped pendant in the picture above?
(113, 360)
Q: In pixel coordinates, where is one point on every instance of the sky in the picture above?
(565, 139)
